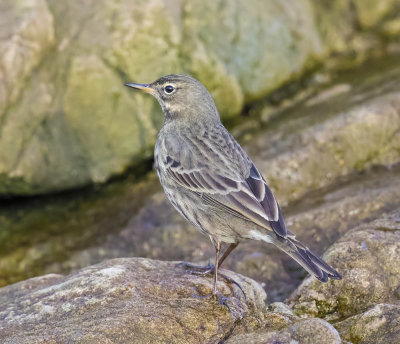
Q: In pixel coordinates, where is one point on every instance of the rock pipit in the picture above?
(211, 181)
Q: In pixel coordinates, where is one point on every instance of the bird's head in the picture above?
(181, 96)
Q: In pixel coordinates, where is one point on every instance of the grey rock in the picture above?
(368, 258)
(310, 331)
(128, 300)
(139, 300)
(379, 324)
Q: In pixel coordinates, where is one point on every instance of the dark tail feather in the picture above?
(307, 259)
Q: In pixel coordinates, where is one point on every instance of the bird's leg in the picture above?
(227, 252)
(218, 263)
(217, 251)
(208, 269)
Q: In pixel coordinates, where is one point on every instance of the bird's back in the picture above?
(201, 146)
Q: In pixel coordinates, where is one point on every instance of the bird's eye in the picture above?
(169, 89)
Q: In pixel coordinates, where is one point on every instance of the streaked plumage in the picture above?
(211, 181)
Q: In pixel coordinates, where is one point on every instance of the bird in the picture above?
(211, 181)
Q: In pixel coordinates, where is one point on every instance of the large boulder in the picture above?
(67, 120)
(129, 301)
(143, 301)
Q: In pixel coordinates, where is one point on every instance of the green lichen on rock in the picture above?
(261, 49)
(363, 306)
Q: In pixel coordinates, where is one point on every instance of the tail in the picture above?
(307, 259)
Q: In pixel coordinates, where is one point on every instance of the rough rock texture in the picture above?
(364, 305)
(379, 324)
(136, 300)
(139, 300)
(71, 58)
(309, 331)
(368, 258)
(128, 300)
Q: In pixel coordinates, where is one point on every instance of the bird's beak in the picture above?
(143, 87)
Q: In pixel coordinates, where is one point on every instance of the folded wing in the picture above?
(248, 198)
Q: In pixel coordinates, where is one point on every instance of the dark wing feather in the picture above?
(279, 226)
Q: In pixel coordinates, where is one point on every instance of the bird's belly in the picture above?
(209, 221)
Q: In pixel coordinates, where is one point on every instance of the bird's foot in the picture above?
(221, 299)
(208, 270)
